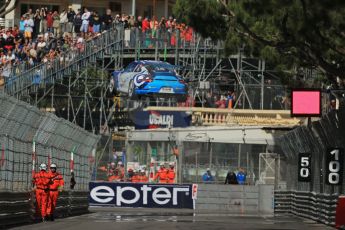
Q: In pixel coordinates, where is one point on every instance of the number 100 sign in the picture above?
(334, 166)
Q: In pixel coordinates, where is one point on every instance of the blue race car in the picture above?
(149, 78)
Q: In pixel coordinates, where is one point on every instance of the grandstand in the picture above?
(76, 85)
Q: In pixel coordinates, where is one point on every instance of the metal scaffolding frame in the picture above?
(76, 86)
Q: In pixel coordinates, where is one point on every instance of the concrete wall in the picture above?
(235, 198)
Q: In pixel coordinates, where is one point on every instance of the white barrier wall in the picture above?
(235, 198)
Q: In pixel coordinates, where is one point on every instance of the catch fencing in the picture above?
(29, 137)
(314, 171)
(316, 139)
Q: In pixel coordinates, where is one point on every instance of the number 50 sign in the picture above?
(304, 167)
(334, 166)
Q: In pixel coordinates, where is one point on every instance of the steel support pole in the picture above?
(85, 92)
(239, 155)
(133, 7)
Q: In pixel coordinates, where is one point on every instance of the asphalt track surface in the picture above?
(167, 219)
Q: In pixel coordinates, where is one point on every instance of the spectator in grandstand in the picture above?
(43, 36)
(77, 22)
(231, 178)
(207, 177)
(138, 23)
(162, 31)
(153, 26)
(131, 21)
(9, 42)
(70, 19)
(85, 23)
(41, 44)
(10, 57)
(230, 100)
(145, 27)
(37, 20)
(63, 21)
(210, 103)
(28, 27)
(169, 27)
(21, 25)
(50, 21)
(221, 102)
(56, 24)
(241, 176)
(188, 35)
(107, 20)
(43, 22)
(30, 13)
(96, 23)
(117, 20)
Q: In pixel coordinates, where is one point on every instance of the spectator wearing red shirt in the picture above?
(221, 103)
(145, 25)
(188, 35)
(50, 21)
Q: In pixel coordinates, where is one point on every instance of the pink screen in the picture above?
(306, 102)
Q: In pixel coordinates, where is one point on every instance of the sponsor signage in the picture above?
(141, 195)
(161, 119)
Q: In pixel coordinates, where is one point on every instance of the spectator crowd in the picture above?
(44, 35)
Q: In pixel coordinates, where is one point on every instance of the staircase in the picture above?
(109, 42)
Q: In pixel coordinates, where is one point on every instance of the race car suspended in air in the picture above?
(149, 78)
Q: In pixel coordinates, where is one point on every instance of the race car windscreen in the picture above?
(161, 67)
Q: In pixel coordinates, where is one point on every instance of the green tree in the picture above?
(287, 33)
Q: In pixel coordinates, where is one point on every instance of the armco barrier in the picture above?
(18, 208)
(318, 207)
(14, 208)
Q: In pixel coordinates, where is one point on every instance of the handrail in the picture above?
(247, 117)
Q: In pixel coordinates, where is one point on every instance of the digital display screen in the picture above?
(306, 102)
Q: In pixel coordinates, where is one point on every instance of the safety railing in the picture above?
(164, 38)
(108, 42)
(214, 117)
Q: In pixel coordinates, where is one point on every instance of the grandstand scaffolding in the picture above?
(76, 86)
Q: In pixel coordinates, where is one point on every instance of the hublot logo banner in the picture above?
(140, 195)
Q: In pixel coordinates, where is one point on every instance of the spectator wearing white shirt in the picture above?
(63, 21)
(28, 27)
(85, 23)
(10, 57)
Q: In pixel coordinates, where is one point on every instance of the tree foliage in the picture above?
(295, 33)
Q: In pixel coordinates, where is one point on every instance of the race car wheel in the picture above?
(131, 90)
